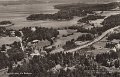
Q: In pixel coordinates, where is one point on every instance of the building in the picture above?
(33, 29)
(39, 45)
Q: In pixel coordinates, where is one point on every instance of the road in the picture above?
(3, 71)
(94, 41)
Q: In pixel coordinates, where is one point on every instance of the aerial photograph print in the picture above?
(59, 38)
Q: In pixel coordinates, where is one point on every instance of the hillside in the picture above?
(94, 7)
(67, 11)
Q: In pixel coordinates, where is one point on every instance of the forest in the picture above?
(5, 22)
(90, 17)
(70, 65)
(59, 16)
(68, 11)
(40, 33)
(89, 7)
(112, 20)
(114, 36)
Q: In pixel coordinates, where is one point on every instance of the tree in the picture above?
(3, 48)
(117, 64)
(86, 62)
(5, 22)
(17, 33)
(16, 54)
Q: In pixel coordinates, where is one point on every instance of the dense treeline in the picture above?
(114, 36)
(110, 45)
(68, 11)
(12, 55)
(40, 33)
(112, 20)
(42, 66)
(69, 45)
(94, 30)
(107, 59)
(5, 22)
(85, 37)
(60, 15)
(92, 7)
(108, 23)
(69, 65)
(3, 61)
(90, 17)
(15, 53)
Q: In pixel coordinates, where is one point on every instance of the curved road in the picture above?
(94, 41)
(3, 71)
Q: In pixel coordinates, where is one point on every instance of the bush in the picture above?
(5, 22)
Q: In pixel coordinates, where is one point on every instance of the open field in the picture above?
(8, 40)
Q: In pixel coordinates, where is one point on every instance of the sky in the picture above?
(71, 1)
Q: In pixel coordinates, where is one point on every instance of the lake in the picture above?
(14, 11)
(18, 13)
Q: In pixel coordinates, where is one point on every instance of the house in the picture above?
(33, 29)
(39, 45)
(35, 41)
(35, 53)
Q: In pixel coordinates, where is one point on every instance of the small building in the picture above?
(35, 41)
(33, 29)
(39, 45)
(35, 53)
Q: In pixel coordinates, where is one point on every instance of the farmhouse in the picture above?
(39, 45)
